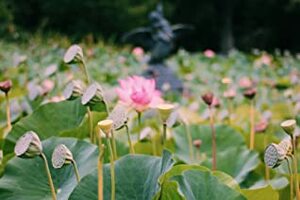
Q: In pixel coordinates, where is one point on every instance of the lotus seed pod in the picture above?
(119, 115)
(28, 145)
(106, 126)
(197, 143)
(208, 98)
(5, 86)
(289, 126)
(73, 55)
(274, 155)
(165, 111)
(287, 146)
(61, 156)
(74, 89)
(226, 81)
(93, 94)
(250, 93)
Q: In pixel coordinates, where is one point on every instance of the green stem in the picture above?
(76, 171)
(129, 140)
(214, 146)
(139, 124)
(252, 131)
(8, 112)
(291, 180)
(164, 136)
(49, 176)
(114, 146)
(100, 167)
(295, 167)
(190, 141)
(112, 171)
(154, 150)
(84, 69)
(91, 129)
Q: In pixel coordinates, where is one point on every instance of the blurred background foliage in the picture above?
(220, 25)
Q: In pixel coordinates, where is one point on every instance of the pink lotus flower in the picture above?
(209, 53)
(139, 93)
(138, 51)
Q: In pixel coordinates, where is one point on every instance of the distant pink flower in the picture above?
(209, 53)
(245, 82)
(139, 93)
(138, 51)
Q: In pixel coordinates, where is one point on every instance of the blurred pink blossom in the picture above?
(139, 93)
(264, 59)
(245, 82)
(230, 93)
(209, 53)
(47, 86)
(138, 51)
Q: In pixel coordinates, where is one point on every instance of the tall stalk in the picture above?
(114, 146)
(189, 138)
(291, 180)
(139, 125)
(76, 171)
(49, 176)
(252, 124)
(129, 140)
(295, 166)
(8, 119)
(214, 146)
(112, 171)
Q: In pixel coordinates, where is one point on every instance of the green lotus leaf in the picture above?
(263, 193)
(233, 157)
(136, 178)
(26, 179)
(48, 120)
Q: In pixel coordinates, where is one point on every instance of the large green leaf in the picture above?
(196, 184)
(261, 193)
(170, 187)
(26, 179)
(48, 120)
(233, 157)
(136, 178)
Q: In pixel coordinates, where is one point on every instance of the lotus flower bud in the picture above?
(73, 90)
(274, 155)
(197, 143)
(5, 86)
(29, 145)
(61, 156)
(93, 94)
(208, 98)
(73, 55)
(250, 93)
(119, 116)
(106, 126)
(165, 111)
(289, 126)
(226, 81)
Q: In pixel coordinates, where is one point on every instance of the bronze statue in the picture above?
(160, 39)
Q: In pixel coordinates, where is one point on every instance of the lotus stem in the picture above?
(267, 170)
(291, 180)
(190, 141)
(49, 176)
(154, 150)
(293, 137)
(252, 130)
(164, 136)
(8, 119)
(91, 129)
(139, 124)
(84, 69)
(114, 146)
(214, 146)
(76, 170)
(112, 171)
(129, 140)
(100, 167)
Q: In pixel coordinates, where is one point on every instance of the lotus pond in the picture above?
(80, 123)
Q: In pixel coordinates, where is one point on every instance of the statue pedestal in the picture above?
(166, 79)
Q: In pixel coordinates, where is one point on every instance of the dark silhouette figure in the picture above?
(160, 39)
